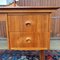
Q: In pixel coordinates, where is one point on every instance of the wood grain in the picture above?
(38, 30)
(3, 18)
(38, 2)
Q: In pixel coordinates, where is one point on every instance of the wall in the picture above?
(5, 2)
(9, 1)
(39, 2)
(2, 2)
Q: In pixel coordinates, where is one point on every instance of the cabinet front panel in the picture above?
(29, 40)
(29, 22)
(29, 30)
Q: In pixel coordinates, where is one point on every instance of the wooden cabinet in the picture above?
(28, 28)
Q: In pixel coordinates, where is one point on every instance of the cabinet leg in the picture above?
(42, 57)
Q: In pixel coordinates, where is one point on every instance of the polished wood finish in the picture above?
(3, 19)
(28, 28)
(29, 36)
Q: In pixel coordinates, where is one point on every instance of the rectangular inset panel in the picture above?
(55, 27)
(3, 19)
(29, 40)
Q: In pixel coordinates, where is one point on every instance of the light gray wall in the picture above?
(2, 2)
(5, 2)
(9, 1)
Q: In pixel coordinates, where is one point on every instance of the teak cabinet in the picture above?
(28, 28)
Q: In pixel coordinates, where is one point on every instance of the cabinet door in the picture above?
(29, 31)
(29, 41)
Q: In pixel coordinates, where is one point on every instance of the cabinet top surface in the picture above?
(27, 7)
